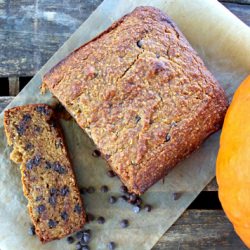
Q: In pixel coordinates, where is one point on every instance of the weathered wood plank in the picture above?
(200, 229)
(31, 31)
(14, 85)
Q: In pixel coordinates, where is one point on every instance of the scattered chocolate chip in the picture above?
(52, 200)
(96, 153)
(85, 239)
(59, 168)
(137, 118)
(64, 215)
(123, 197)
(132, 198)
(157, 55)
(83, 190)
(33, 162)
(39, 198)
(41, 208)
(148, 208)
(138, 201)
(90, 190)
(139, 43)
(70, 239)
(111, 245)
(137, 209)
(104, 189)
(124, 223)
(77, 209)
(42, 110)
(168, 137)
(85, 247)
(59, 143)
(123, 189)
(111, 173)
(79, 234)
(52, 223)
(100, 220)
(176, 196)
(64, 191)
(78, 246)
(112, 199)
(90, 217)
(107, 156)
(32, 230)
(21, 128)
(28, 146)
(53, 191)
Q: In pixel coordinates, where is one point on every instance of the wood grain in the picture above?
(31, 31)
(201, 229)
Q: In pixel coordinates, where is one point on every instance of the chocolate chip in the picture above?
(64, 215)
(52, 200)
(64, 191)
(100, 220)
(32, 230)
(148, 208)
(77, 209)
(83, 190)
(26, 118)
(70, 239)
(111, 173)
(37, 129)
(124, 223)
(28, 146)
(107, 156)
(90, 217)
(52, 223)
(33, 162)
(59, 168)
(123, 189)
(85, 238)
(96, 153)
(139, 43)
(137, 118)
(41, 208)
(85, 247)
(79, 234)
(132, 198)
(168, 138)
(78, 246)
(137, 209)
(104, 189)
(42, 110)
(39, 198)
(112, 199)
(138, 201)
(176, 196)
(53, 191)
(90, 190)
(157, 55)
(111, 245)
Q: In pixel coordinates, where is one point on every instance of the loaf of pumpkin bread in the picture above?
(142, 94)
(49, 184)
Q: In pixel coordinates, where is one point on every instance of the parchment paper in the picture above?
(223, 42)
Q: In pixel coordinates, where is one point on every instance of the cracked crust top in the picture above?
(142, 94)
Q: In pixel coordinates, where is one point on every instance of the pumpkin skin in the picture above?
(233, 162)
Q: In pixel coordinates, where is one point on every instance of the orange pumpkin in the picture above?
(233, 162)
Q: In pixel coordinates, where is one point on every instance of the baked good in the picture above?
(142, 94)
(54, 201)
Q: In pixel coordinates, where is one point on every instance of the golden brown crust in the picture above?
(54, 201)
(142, 94)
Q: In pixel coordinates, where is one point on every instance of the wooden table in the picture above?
(31, 31)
